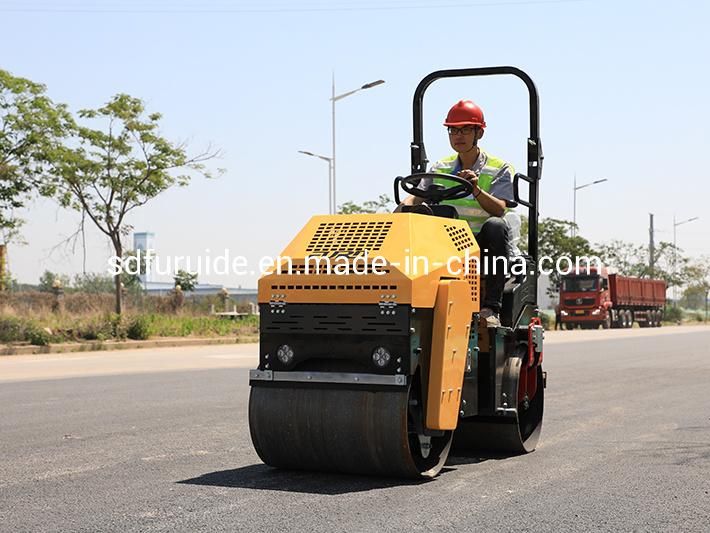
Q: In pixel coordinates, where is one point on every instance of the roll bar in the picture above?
(534, 144)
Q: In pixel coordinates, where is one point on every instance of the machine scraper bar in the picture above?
(328, 377)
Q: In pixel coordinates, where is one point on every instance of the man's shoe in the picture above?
(491, 317)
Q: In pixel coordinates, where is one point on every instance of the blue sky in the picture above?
(622, 85)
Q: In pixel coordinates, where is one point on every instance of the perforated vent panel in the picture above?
(460, 237)
(348, 287)
(348, 238)
(472, 278)
(321, 267)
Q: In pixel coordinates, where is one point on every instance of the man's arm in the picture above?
(490, 203)
(412, 200)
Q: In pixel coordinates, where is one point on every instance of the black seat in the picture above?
(437, 210)
(445, 211)
(422, 209)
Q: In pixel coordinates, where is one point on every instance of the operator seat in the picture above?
(437, 210)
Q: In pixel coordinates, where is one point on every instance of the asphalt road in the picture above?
(625, 446)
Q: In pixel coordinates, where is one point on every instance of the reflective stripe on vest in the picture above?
(468, 208)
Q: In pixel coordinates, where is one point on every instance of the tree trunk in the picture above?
(3, 267)
(118, 248)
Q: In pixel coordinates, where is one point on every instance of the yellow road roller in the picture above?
(373, 358)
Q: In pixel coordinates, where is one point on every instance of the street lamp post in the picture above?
(329, 160)
(334, 98)
(675, 253)
(574, 208)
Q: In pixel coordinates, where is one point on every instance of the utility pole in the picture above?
(651, 248)
(334, 206)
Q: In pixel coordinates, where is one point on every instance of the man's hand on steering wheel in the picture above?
(436, 192)
(472, 177)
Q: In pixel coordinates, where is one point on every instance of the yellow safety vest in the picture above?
(468, 208)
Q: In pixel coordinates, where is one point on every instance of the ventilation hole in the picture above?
(460, 237)
(348, 238)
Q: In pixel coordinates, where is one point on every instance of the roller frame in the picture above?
(347, 416)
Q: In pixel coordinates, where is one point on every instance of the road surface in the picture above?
(157, 440)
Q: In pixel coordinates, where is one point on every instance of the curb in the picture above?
(93, 346)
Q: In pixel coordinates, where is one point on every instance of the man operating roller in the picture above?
(484, 208)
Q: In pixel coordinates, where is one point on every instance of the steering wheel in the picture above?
(436, 192)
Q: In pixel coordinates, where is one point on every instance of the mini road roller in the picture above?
(372, 357)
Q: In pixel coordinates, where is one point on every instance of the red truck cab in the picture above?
(585, 299)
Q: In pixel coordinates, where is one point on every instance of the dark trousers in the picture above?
(494, 241)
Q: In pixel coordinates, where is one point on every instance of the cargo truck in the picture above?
(593, 298)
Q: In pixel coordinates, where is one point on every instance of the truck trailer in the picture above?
(594, 298)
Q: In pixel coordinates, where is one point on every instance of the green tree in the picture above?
(696, 275)
(131, 280)
(32, 128)
(554, 241)
(187, 281)
(93, 283)
(48, 279)
(694, 297)
(383, 204)
(630, 259)
(10, 282)
(627, 258)
(114, 170)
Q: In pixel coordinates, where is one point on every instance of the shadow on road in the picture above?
(461, 458)
(262, 477)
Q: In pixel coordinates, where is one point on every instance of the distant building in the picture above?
(145, 242)
(238, 295)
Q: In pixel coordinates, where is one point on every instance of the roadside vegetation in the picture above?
(40, 318)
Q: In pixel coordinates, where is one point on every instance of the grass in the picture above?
(34, 318)
(64, 328)
(202, 326)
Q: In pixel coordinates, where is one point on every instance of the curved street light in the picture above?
(574, 208)
(335, 98)
(329, 160)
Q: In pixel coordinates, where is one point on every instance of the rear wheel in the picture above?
(606, 324)
(518, 429)
(651, 319)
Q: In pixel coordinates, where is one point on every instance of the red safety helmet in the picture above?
(465, 113)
